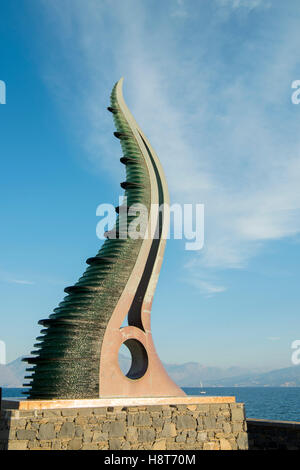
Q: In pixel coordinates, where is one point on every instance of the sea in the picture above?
(276, 403)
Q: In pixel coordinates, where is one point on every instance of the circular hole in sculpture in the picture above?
(125, 359)
(133, 359)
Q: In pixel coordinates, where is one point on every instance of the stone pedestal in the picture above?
(179, 423)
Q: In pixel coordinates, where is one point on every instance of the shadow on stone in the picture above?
(273, 435)
(5, 429)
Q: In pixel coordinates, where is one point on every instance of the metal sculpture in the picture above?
(77, 352)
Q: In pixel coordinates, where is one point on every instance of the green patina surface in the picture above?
(66, 361)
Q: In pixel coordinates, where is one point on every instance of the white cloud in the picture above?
(19, 281)
(246, 4)
(204, 287)
(8, 277)
(180, 9)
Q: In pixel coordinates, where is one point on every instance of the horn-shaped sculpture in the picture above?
(77, 352)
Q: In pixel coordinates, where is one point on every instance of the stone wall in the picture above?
(162, 427)
(273, 435)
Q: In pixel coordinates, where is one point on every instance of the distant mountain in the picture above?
(190, 374)
(18, 368)
(287, 377)
(12, 375)
(8, 377)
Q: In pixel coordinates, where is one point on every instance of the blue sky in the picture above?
(210, 84)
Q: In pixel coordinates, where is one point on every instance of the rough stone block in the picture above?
(202, 436)
(100, 436)
(192, 434)
(81, 420)
(237, 414)
(132, 434)
(85, 411)
(78, 431)
(115, 444)
(17, 445)
(75, 444)
(69, 412)
(185, 422)
(126, 446)
(146, 435)
(89, 446)
(225, 413)
(130, 419)
(242, 441)
(225, 445)
(116, 429)
(203, 408)
(214, 408)
(181, 408)
(103, 446)
(199, 420)
(24, 435)
(224, 406)
(209, 422)
(67, 431)
(27, 414)
(56, 444)
(211, 445)
(51, 413)
(227, 428)
(87, 435)
(169, 430)
(157, 422)
(17, 423)
(159, 445)
(121, 416)
(33, 444)
(46, 431)
(237, 426)
(46, 444)
(142, 419)
(181, 437)
(92, 420)
(166, 411)
(100, 411)
(155, 408)
(233, 444)
(192, 407)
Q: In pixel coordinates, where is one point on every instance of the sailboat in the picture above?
(201, 387)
